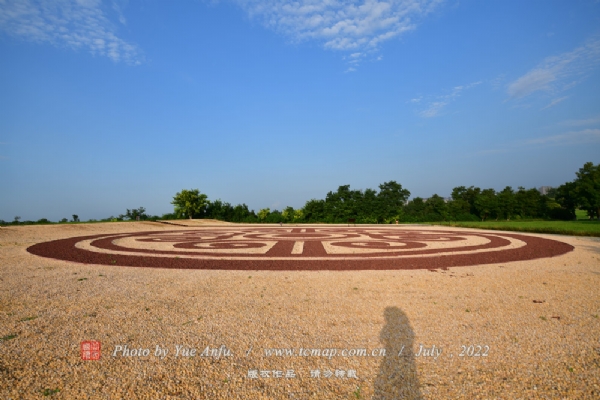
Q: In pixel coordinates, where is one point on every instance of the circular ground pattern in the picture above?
(321, 248)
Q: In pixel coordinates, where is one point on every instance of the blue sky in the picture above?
(108, 105)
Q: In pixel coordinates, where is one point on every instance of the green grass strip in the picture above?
(572, 228)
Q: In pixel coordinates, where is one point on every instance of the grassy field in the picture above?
(575, 228)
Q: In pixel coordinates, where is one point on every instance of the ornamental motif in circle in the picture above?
(301, 248)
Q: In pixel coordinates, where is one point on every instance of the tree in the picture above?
(436, 209)
(133, 214)
(298, 215)
(463, 202)
(288, 214)
(391, 198)
(370, 208)
(506, 202)
(486, 204)
(274, 217)
(189, 203)
(587, 189)
(75, 218)
(414, 210)
(241, 213)
(528, 203)
(263, 214)
(343, 204)
(314, 210)
(219, 210)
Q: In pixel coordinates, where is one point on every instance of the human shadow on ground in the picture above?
(397, 377)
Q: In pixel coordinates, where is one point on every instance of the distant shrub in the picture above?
(561, 214)
(366, 220)
(465, 217)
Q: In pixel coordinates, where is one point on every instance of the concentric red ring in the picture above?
(329, 248)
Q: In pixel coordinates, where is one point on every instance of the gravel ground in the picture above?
(524, 329)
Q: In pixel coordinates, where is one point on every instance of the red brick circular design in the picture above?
(327, 248)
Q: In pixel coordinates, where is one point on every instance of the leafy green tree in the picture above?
(75, 218)
(435, 209)
(220, 210)
(414, 211)
(587, 189)
(274, 217)
(242, 214)
(263, 214)
(392, 198)
(314, 210)
(288, 214)
(463, 202)
(528, 203)
(459, 206)
(369, 209)
(133, 214)
(486, 204)
(189, 203)
(506, 203)
(298, 215)
(343, 204)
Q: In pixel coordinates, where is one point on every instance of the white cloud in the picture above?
(340, 25)
(581, 122)
(538, 79)
(436, 104)
(573, 137)
(434, 109)
(118, 6)
(555, 102)
(580, 137)
(559, 73)
(73, 23)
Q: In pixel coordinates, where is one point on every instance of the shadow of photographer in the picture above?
(397, 377)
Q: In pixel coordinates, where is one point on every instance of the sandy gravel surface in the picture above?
(537, 322)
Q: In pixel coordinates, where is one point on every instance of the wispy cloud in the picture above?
(585, 136)
(558, 73)
(573, 137)
(435, 104)
(434, 109)
(555, 102)
(338, 24)
(581, 122)
(78, 24)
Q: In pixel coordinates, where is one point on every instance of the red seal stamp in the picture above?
(90, 350)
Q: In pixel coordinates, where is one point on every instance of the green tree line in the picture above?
(390, 203)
